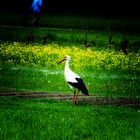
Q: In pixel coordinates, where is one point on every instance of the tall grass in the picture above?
(49, 119)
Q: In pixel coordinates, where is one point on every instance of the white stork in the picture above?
(74, 80)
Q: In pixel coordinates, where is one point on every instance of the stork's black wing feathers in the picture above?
(80, 85)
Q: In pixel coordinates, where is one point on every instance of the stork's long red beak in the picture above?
(61, 61)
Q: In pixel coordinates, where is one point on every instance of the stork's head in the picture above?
(66, 58)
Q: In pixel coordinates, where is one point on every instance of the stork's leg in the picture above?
(74, 97)
(76, 93)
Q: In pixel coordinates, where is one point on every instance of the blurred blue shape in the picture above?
(36, 5)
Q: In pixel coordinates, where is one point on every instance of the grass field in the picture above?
(121, 24)
(33, 79)
(102, 70)
(28, 62)
(49, 119)
(24, 69)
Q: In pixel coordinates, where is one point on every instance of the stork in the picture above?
(74, 81)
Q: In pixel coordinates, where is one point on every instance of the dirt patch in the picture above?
(92, 99)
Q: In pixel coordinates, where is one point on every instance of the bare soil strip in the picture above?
(92, 99)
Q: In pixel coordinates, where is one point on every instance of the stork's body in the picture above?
(74, 80)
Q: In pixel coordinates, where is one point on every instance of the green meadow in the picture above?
(34, 67)
(107, 60)
(43, 119)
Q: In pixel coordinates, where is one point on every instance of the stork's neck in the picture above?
(67, 65)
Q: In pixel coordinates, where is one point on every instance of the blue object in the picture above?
(36, 5)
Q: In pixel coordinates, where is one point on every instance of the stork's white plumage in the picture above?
(73, 80)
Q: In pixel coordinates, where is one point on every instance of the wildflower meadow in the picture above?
(37, 55)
